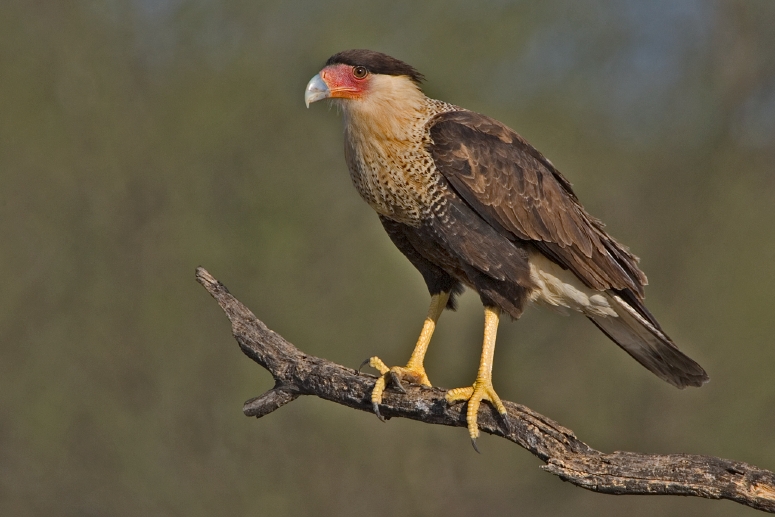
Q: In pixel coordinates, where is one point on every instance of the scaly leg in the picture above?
(414, 371)
(482, 388)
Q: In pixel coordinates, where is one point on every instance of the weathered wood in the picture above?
(566, 456)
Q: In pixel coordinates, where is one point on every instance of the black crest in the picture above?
(376, 63)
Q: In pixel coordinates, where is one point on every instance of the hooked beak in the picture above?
(316, 90)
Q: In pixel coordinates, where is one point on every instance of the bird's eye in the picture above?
(359, 72)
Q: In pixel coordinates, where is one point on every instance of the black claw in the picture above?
(375, 406)
(473, 442)
(396, 382)
(364, 363)
(506, 422)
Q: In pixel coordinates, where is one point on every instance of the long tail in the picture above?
(639, 334)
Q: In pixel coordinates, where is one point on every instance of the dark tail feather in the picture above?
(636, 331)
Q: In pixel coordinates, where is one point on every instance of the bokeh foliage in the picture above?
(139, 139)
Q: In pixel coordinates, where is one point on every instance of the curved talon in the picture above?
(506, 422)
(473, 442)
(375, 406)
(395, 381)
(364, 363)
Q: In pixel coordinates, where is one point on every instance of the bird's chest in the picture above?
(396, 178)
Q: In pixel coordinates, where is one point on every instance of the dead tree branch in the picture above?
(566, 456)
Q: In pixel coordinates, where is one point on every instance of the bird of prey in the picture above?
(470, 203)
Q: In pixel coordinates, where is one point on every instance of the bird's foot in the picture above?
(393, 377)
(481, 390)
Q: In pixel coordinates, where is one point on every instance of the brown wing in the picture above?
(520, 193)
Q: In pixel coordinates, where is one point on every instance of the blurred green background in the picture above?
(142, 138)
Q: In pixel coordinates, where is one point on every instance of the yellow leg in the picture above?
(482, 388)
(414, 371)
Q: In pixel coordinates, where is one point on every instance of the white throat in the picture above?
(390, 110)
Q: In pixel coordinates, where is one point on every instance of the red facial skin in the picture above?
(342, 83)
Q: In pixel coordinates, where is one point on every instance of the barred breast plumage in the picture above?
(389, 162)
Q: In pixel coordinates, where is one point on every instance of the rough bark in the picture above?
(566, 456)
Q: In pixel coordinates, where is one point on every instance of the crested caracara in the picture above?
(470, 203)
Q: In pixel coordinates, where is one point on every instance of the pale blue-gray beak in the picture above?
(316, 90)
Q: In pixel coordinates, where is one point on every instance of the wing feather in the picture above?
(521, 194)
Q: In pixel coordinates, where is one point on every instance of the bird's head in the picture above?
(362, 76)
